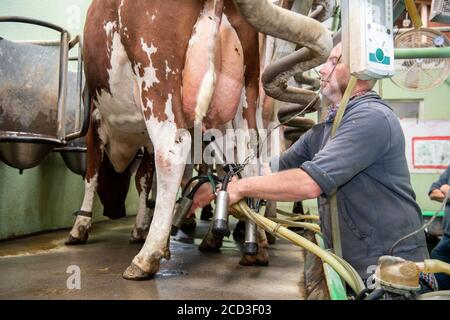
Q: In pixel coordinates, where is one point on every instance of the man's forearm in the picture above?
(289, 185)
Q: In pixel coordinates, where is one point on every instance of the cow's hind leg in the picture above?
(80, 230)
(144, 177)
(171, 149)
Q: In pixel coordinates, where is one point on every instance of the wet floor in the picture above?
(36, 268)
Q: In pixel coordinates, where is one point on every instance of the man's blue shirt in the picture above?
(365, 163)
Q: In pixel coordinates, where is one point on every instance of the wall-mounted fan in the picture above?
(425, 73)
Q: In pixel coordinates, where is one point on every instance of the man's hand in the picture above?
(202, 198)
(437, 195)
(444, 188)
(233, 189)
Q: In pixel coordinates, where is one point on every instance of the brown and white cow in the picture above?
(157, 68)
(147, 68)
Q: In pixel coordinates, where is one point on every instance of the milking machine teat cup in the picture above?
(184, 203)
(251, 243)
(220, 219)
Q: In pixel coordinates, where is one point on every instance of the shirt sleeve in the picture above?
(293, 157)
(443, 179)
(363, 136)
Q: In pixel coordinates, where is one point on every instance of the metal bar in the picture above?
(35, 22)
(316, 12)
(84, 100)
(431, 213)
(62, 87)
(336, 22)
(441, 29)
(74, 42)
(80, 87)
(46, 43)
(417, 53)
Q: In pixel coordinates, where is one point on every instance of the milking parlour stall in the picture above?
(207, 153)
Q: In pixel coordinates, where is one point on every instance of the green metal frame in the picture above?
(336, 288)
(431, 213)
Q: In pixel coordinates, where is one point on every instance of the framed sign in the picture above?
(431, 152)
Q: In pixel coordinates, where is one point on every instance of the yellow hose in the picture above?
(413, 13)
(343, 105)
(284, 213)
(310, 226)
(434, 266)
(296, 216)
(306, 217)
(352, 278)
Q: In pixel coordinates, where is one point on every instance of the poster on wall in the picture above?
(427, 145)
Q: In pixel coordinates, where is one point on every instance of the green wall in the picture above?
(43, 198)
(435, 107)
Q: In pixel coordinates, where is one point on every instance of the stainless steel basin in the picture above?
(75, 159)
(24, 155)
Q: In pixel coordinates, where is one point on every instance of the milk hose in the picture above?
(344, 269)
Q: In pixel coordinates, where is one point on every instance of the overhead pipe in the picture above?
(311, 35)
(291, 114)
(422, 53)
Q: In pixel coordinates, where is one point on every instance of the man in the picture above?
(438, 190)
(364, 163)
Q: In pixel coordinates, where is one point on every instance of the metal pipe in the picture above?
(46, 43)
(417, 53)
(220, 220)
(441, 29)
(250, 243)
(35, 22)
(84, 100)
(62, 86)
(317, 11)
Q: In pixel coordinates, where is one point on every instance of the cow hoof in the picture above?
(84, 235)
(211, 244)
(270, 238)
(133, 272)
(138, 235)
(188, 224)
(207, 213)
(261, 259)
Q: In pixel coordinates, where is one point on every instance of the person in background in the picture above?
(438, 191)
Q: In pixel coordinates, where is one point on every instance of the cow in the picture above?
(156, 69)
(139, 58)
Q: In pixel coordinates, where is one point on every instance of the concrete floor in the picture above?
(35, 268)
